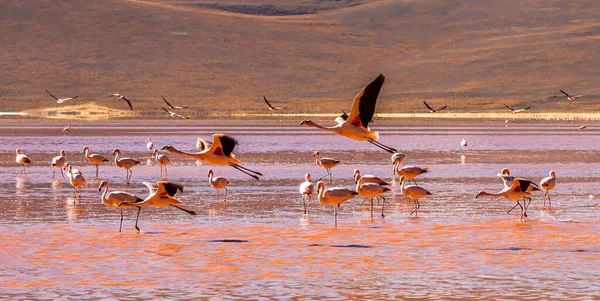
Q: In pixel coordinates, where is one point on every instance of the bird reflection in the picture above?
(463, 159)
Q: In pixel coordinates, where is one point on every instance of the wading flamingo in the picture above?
(368, 179)
(94, 159)
(150, 145)
(548, 183)
(218, 183)
(372, 190)
(220, 153)
(327, 164)
(356, 124)
(22, 160)
(306, 190)
(410, 172)
(117, 199)
(162, 160)
(58, 162)
(76, 179)
(125, 163)
(334, 196)
(516, 192)
(414, 193)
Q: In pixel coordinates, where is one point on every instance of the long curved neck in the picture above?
(117, 158)
(104, 195)
(210, 177)
(318, 160)
(403, 187)
(333, 129)
(493, 195)
(197, 156)
(87, 153)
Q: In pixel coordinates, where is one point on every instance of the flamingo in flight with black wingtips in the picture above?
(172, 106)
(520, 189)
(355, 126)
(515, 111)
(432, 110)
(220, 153)
(571, 97)
(61, 100)
(122, 98)
(272, 108)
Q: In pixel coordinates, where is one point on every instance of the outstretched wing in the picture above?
(442, 108)
(128, 102)
(268, 104)
(565, 93)
(222, 145)
(168, 104)
(50, 94)
(363, 107)
(166, 110)
(151, 187)
(527, 108)
(509, 107)
(168, 187)
(429, 107)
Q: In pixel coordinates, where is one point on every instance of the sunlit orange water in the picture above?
(258, 244)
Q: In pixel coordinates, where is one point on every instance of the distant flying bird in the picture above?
(175, 115)
(66, 130)
(172, 106)
(571, 97)
(121, 97)
(432, 110)
(356, 124)
(272, 108)
(60, 100)
(515, 111)
(583, 127)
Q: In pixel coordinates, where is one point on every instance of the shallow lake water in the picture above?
(259, 245)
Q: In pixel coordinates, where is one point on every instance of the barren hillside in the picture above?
(312, 56)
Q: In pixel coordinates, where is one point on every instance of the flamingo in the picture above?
(172, 106)
(368, 179)
(508, 181)
(122, 98)
(22, 160)
(202, 144)
(410, 172)
(118, 199)
(327, 164)
(73, 170)
(60, 100)
(372, 190)
(220, 153)
(218, 183)
(272, 108)
(414, 193)
(571, 97)
(76, 179)
(161, 194)
(125, 163)
(94, 159)
(162, 160)
(176, 115)
(517, 191)
(306, 190)
(463, 142)
(334, 196)
(397, 161)
(432, 110)
(583, 127)
(548, 183)
(515, 111)
(150, 145)
(58, 162)
(355, 126)
(66, 130)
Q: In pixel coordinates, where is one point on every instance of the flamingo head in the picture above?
(66, 166)
(116, 152)
(552, 174)
(307, 177)
(149, 139)
(18, 151)
(62, 152)
(210, 173)
(320, 186)
(155, 152)
(102, 185)
(86, 149)
(306, 122)
(167, 147)
(397, 157)
(505, 172)
(316, 154)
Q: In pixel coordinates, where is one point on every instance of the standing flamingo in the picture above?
(150, 145)
(334, 196)
(372, 190)
(22, 160)
(368, 179)
(125, 163)
(220, 153)
(120, 200)
(76, 179)
(356, 124)
(327, 164)
(94, 159)
(306, 190)
(548, 183)
(414, 193)
(410, 172)
(162, 160)
(218, 183)
(58, 162)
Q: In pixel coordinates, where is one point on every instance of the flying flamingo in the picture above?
(125, 163)
(218, 183)
(76, 179)
(162, 160)
(220, 153)
(372, 190)
(60, 100)
(94, 159)
(334, 196)
(432, 110)
(517, 191)
(515, 111)
(306, 190)
(176, 115)
(327, 164)
(119, 199)
(66, 130)
(548, 183)
(122, 98)
(161, 194)
(356, 124)
(22, 160)
(414, 193)
(172, 106)
(58, 162)
(571, 97)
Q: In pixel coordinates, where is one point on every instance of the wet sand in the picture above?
(259, 245)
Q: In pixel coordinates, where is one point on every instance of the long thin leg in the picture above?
(121, 224)
(137, 218)
(97, 171)
(330, 178)
(549, 201)
(166, 173)
(415, 208)
(513, 207)
(304, 204)
(383, 147)
(62, 174)
(225, 194)
(186, 210)
(526, 204)
(54, 170)
(323, 176)
(242, 170)
(382, 206)
(335, 215)
(371, 208)
(239, 167)
(161, 171)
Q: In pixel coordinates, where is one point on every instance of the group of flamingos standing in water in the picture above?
(220, 153)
